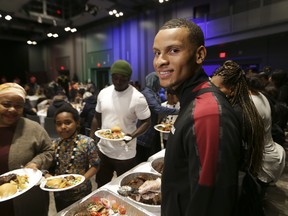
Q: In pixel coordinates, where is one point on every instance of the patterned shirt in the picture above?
(75, 156)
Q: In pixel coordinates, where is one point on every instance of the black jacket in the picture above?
(54, 106)
(202, 157)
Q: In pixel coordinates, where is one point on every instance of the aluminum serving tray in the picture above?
(149, 175)
(131, 208)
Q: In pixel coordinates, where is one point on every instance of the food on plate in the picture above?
(53, 183)
(10, 184)
(8, 189)
(116, 129)
(62, 182)
(99, 206)
(165, 127)
(113, 133)
(143, 189)
(7, 178)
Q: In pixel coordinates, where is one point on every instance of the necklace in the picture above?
(71, 158)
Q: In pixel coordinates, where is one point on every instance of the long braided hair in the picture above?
(252, 127)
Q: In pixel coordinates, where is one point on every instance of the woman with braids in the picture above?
(254, 111)
(274, 154)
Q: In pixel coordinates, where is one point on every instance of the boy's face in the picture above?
(65, 125)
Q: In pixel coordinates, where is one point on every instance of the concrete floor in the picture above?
(276, 199)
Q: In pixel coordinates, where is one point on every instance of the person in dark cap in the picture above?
(119, 105)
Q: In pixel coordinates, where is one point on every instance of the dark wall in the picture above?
(259, 52)
(14, 60)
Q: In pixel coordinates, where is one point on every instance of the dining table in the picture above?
(114, 185)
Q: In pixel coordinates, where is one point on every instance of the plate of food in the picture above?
(17, 182)
(61, 182)
(113, 134)
(163, 127)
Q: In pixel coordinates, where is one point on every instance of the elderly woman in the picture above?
(23, 143)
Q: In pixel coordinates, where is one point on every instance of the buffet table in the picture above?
(114, 186)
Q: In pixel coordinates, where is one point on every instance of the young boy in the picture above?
(74, 154)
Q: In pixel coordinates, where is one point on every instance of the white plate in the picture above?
(33, 178)
(43, 183)
(156, 127)
(97, 133)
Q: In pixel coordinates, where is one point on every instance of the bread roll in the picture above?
(116, 129)
(53, 183)
(7, 189)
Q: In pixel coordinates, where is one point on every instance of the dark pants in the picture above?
(109, 165)
(62, 204)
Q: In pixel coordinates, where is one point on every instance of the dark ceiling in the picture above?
(33, 19)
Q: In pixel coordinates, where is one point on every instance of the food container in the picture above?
(157, 165)
(147, 175)
(131, 208)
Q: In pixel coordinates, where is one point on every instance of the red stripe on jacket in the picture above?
(207, 132)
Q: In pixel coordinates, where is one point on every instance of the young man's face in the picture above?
(120, 82)
(175, 57)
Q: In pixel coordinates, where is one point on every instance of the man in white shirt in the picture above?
(119, 105)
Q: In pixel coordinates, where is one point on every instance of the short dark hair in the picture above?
(69, 109)
(195, 32)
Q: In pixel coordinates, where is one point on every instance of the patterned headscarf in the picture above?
(12, 88)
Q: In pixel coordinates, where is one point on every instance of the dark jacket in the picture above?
(54, 106)
(88, 111)
(151, 93)
(202, 156)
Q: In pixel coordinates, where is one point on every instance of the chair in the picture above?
(49, 126)
(35, 118)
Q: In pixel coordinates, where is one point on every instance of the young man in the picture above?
(202, 157)
(119, 105)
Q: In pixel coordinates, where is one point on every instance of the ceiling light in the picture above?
(67, 29)
(49, 34)
(55, 35)
(0, 15)
(8, 17)
(114, 12)
(31, 42)
(73, 30)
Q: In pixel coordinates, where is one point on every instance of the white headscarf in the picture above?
(12, 88)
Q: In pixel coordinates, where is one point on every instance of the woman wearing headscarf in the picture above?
(23, 143)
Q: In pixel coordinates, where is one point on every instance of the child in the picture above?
(74, 154)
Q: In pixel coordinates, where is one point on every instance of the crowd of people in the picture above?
(222, 125)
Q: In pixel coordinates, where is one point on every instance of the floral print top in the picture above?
(75, 156)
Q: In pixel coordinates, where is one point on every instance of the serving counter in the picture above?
(113, 186)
